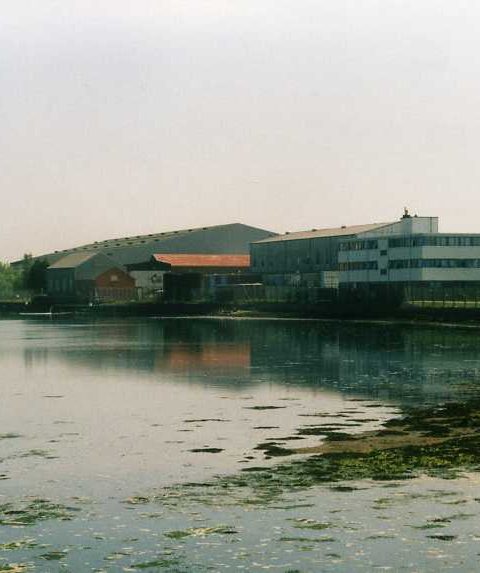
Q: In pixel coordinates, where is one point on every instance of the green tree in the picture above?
(35, 275)
(10, 281)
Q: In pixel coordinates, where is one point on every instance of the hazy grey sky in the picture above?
(124, 117)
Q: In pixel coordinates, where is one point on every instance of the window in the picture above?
(434, 264)
(435, 241)
(370, 244)
(358, 266)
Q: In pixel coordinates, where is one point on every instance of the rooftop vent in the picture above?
(344, 226)
(313, 230)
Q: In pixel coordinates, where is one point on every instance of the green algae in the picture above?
(156, 563)
(19, 544)
(30, 512)
(443, 537)
(201, 532)
(453, 450)
(264, 407)
(37, 453)
(54, 555)
(303, 523)
(325, 539)
(206, 450)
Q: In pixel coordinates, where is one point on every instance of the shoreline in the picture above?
(451, 318)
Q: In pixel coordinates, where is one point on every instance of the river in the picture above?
(196, 445)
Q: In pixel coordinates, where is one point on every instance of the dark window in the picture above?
(359, 266)
(434, 264)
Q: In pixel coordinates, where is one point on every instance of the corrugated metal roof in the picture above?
(71, 261)
(318, 233)
(139, 240)
(229, 238)
(204, 260)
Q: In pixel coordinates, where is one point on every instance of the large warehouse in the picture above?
(234, 239)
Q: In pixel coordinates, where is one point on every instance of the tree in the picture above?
(10, 280)
(35, 275)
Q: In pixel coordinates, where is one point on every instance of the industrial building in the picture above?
(412, 265)
(89, 277)
(149, 277)
(198, 277)
(311, 258)
(443, 257)
(232, 239)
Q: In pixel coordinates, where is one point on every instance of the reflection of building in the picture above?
(89, 277)
(207, 357)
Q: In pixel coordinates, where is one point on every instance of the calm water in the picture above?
(173, 445)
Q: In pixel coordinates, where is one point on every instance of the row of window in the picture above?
(289, 261)
(413, 264)
(358, 266)
(435, 264)
(435, 241)
(414, 241)
(359, 245)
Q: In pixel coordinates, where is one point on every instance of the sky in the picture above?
(122, 117)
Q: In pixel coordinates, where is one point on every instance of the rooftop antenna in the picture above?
(406, 214)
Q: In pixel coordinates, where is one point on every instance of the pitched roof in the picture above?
(72, 261)
(227, 261)
(319, 233)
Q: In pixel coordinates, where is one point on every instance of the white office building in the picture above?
(411, 251)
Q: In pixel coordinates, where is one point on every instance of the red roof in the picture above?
(216, 261)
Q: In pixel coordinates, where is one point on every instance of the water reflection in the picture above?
(403, 363)
(121, 427)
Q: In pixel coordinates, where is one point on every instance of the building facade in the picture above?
(88, 277)
(416, 258)
(312, 258)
